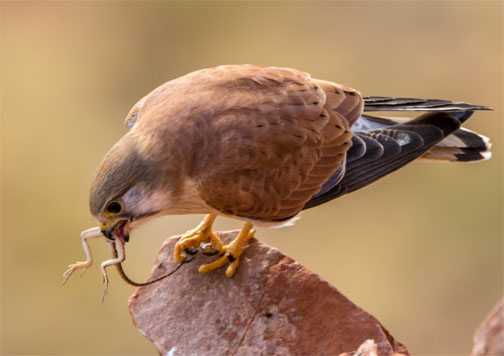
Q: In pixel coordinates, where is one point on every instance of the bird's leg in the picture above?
(192, 239)
(119, 249)
(231, 252)
(87, 234)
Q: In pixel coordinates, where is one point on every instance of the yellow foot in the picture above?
(192, 239)
(231, 252)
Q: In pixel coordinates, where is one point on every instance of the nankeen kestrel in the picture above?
(259, 144)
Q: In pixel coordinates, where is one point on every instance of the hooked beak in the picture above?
(119, 229)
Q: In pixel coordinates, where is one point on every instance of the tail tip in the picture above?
(486, 155)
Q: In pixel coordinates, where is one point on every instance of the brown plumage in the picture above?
(254, 142)
(261, 144)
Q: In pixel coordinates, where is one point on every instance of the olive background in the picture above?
(421, 249)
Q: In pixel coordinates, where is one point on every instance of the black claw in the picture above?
(190, 251)
(207, 250)
(210, 253)
(230, 257)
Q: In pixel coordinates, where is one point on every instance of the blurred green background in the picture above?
(422, 250)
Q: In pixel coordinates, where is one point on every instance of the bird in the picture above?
(259, 144)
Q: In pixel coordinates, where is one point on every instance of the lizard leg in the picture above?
(87, 234)
(119, 247)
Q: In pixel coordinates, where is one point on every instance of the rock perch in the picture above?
(272, 306)
(489, 337)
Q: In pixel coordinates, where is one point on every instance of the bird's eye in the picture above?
(113, 208)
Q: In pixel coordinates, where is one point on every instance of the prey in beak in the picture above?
(116, 235)
(120, 229)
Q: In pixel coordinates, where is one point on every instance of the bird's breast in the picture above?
(186, 200)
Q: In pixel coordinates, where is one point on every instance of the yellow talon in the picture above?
(194, 238)
(214, 265)
(231, 252)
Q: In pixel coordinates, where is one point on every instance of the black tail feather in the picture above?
(383, 103)
(390, 148)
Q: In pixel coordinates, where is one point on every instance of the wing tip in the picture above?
(386, 103)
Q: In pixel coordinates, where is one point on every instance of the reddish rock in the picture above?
(489, 338)
(368, 348)
(272, 306)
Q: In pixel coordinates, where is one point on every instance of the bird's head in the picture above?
(126, 190)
